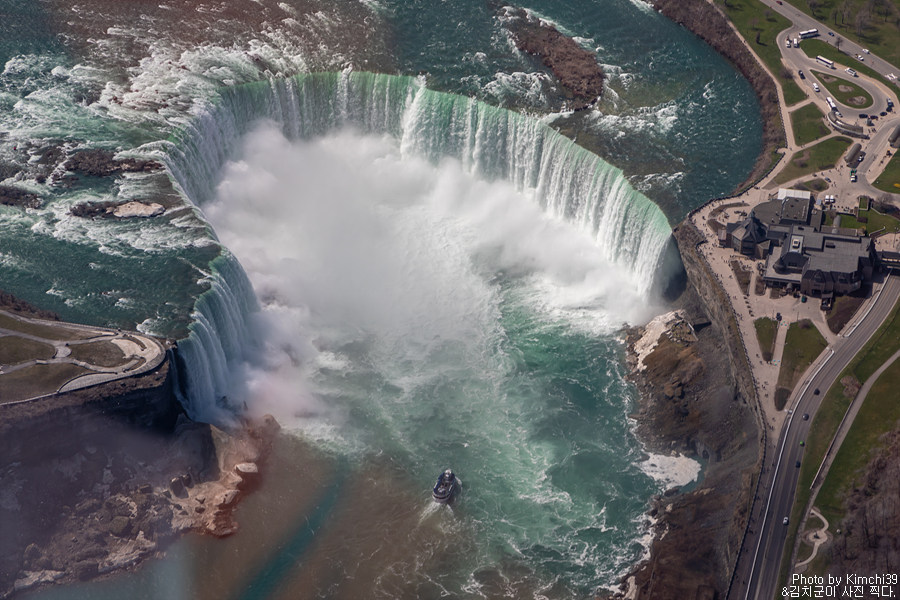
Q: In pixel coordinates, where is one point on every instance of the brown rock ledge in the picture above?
(689, 404)
(575, 68)
(98, 480)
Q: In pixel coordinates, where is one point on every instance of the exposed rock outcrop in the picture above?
(98, 479)
(695, 400)
(118, 210)
(575, 68)
(98, 162)
(13, 196)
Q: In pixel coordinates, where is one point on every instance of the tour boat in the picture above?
(446, 487)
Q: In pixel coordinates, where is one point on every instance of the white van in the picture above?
(796, 43)
(851, 71)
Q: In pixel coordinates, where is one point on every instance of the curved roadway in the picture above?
(757, 572)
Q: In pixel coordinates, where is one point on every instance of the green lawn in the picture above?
(48, 332)
(889, 180)
(816, 47)
(809, 124)
(843, 310)
(826, 420)
(878, 415)
(759, 26)
(14, 350)
(881, 345)
(100, 353)
(815, 185)
(833, 82)
(869, 221)
(879, 33)
(37, 380)
(822, 156)
(766, 329)
(801, 347)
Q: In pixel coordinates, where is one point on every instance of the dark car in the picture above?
(798, 464)
(805, 416)
(802, 76)
(831, 33)
(816, 391)
(863, 116)
(883, 113)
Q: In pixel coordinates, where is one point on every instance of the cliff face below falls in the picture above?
(96, 480)
(697, 399)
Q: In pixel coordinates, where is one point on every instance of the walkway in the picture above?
(140, 353)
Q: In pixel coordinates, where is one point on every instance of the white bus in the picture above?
(809, 33)
(825, 61)
(831, 103)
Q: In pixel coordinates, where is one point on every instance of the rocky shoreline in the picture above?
(575, 68)
(689, 405)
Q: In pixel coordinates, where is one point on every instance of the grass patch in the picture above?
(37, 380)
(759, 25)
(878, 414)
(822, 156)
(815, 48)
(834, 81)
(813, 185)
(849, 221)
(48, 332)
(876, 221)
(742, 275)
(878, 33)
(808, 123)
(880, 346)
(826, 420)
(766, 330)
(801, 347)
(15, 350)
(100, 353)
(843, 310)
(889, 180)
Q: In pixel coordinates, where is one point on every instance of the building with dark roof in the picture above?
(787, 232)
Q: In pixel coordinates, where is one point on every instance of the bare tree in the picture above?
(862, 21)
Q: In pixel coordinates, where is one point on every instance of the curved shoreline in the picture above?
(707, 22)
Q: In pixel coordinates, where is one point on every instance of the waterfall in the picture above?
(568, 181)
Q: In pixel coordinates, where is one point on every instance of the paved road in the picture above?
(757, 572)
(803, 21)
(882, 127)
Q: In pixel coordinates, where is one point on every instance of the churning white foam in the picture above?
(348, 241)
(673, 470)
